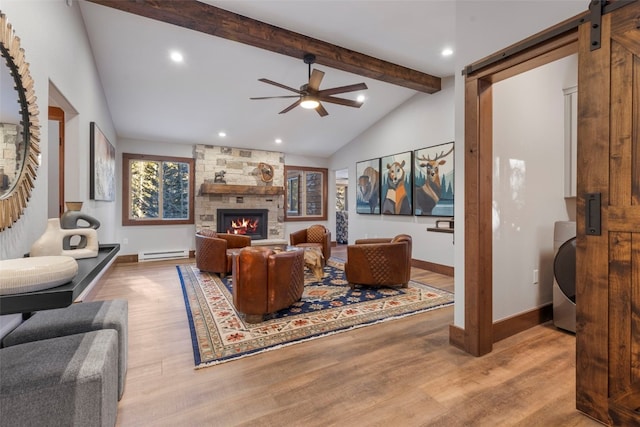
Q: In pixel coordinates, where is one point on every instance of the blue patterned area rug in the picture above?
(220, 334)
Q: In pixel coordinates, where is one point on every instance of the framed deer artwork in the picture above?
(396, 188)
(433, 179)
(368, 189)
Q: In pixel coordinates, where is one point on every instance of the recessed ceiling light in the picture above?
(447, 51)
(176, 56)
(222, 134)
(361, 98)
(278, 141)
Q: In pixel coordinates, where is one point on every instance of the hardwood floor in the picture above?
(401, 372)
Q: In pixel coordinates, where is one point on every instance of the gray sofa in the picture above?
(64, 381)
(63, 359)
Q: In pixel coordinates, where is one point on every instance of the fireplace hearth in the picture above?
(250, 222)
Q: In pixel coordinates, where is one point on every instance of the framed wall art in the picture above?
(396, 188)
(368, 189)
(433, 180)
(102, 166)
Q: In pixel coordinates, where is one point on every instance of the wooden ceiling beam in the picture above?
(218, 22)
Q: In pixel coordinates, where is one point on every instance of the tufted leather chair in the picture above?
(379, 262)
(265, 281)
(214, 250)
(315, 236)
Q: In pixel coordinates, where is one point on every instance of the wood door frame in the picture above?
(605, 388)
(57, 114)
(559, 41)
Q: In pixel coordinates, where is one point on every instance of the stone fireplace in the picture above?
(242, 187)
(249, 222)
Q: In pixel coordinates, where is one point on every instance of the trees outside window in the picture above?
(157, 190)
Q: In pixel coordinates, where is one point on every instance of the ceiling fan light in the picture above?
(309, 103)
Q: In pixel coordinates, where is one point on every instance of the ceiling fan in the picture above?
(309, 95)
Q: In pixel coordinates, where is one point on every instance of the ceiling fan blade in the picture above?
(342, 89)
(274, 97)
(320, 109)
(291, 107)
(271, 82)
(315, 79)
(341, 101)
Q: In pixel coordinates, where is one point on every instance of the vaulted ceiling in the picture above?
(392, 46)
(153, 99)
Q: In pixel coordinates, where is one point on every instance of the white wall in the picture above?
(138, 238)
(56, 48)
(422, 121)
(482, 28)
(528, 183)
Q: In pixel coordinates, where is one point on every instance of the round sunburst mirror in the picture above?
(19, 128)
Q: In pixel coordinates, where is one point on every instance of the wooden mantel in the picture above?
(241, 189)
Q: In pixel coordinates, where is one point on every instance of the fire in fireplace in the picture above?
(243, 226)
(250, 222)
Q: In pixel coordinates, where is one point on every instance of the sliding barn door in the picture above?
(608, 255)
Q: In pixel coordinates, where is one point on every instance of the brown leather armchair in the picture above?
(379, 262)
(317, 235)
(265, 281)
(213, 250)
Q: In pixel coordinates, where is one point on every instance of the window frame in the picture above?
(126, 193)
(302, 179)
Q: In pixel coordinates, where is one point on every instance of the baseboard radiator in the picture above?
(160, 255)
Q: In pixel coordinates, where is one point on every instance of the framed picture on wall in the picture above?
(102, 166)
(368, 190)
(395, 184)
(433, 180)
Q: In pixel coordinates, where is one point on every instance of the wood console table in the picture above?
(63, 295)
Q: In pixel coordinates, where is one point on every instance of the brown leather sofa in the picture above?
(213, 250)
(265, 281)
(379, 262)
(315, 236)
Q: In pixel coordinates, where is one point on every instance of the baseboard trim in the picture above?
(127, 258)
(456, 337)
(506, 328)
(134, 257)
(521, 322)
(436, 268)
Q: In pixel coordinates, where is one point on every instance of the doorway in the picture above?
(607, 254)
(63, 133)
(528, 185)
(55, 174)
(479, 332)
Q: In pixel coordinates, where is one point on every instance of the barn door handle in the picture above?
(592, 212)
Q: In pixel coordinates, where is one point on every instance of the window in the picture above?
(157, 190)
(305, 193)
